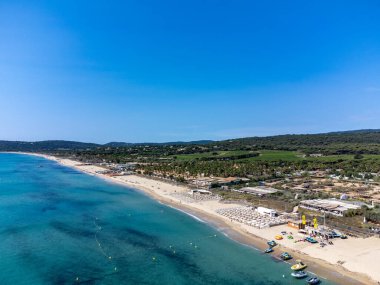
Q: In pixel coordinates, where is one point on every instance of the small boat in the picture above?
(268, 250)
(313, 280)
(299, 274)
(343, 237)
(272, 243)
(311, 240)
(298, 266)
(290, 237)
(285, 256)
(335, 234)
(278, 237)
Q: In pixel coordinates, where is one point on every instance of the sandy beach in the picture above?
(351, 261)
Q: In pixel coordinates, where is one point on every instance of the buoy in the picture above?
(153, 258)
(109, 257)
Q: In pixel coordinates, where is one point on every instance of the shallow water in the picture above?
(60, 226)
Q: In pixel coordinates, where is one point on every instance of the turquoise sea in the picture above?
(60, 226)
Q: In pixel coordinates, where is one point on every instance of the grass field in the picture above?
(273, 155)
(270, 155)
(217, 154)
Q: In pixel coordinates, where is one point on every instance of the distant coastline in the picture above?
(162, 191)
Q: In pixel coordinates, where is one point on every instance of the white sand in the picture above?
(355, 254)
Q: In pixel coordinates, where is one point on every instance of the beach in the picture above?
(352, 260)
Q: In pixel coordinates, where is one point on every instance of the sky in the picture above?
(156, 71)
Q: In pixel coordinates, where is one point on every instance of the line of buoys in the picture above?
(111, 259)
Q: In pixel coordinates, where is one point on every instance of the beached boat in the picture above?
(278, 237)
(272, 243)
(285, 256)
(268, 250)
(299, 274)
(313, 280)
(298, 266)
(311, 240)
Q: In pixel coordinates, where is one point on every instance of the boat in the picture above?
(285, 256)
(278, 237)
(313, 280)
(298, 266)
(299, 274)
(343, 237)
(311, 240)
(290, 237)
(272, 243)
(268, 250)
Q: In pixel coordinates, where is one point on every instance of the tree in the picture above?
(358, 156)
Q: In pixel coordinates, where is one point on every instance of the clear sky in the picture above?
(141, 70)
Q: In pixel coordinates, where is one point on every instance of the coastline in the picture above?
(161, 191)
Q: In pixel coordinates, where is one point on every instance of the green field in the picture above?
(217, 154)
(269, 155)
(273, 155)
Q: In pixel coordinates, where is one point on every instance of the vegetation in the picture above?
(278, 159)
(347, 154)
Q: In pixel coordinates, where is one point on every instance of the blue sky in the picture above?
(158, 71)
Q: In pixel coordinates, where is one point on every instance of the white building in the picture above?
(259, 191)
(331, 206)
(266, 211)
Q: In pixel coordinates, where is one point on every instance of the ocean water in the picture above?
(60, 226)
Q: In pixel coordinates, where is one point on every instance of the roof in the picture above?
(259, 190)
(201, 191)
(331, 204)
(229, 179)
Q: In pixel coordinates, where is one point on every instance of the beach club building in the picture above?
(258, 191)
(330, 206)
(199, 191)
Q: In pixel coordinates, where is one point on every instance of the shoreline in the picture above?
(233, 230)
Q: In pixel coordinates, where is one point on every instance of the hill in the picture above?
(43, 146)
(344, 142)
(358, 141)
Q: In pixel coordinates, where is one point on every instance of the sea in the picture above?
(61, 226)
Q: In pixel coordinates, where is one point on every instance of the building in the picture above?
(316, 155)
(202, 182)
(331, 206)
(208, 182)
(200, 191)
(266, 211)
(258, 191)
(230, 181)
